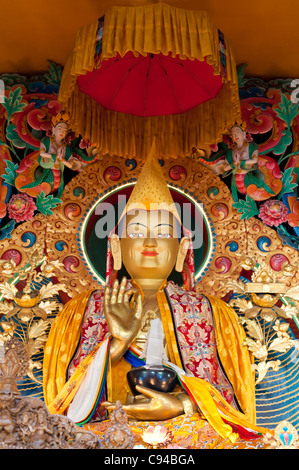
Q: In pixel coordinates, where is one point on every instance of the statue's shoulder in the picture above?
(94, 304)
(97, 295)
(91, 294)
(46, 142)
(178, 293)
(85, 298)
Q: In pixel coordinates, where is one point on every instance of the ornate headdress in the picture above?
(59, 118)
(242, 125)
(151, 191)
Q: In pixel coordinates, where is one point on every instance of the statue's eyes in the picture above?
(163, 235)
(142, 235)
(136, 235)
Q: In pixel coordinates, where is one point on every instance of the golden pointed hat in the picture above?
(151, 191)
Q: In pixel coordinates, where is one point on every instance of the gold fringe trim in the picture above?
(153, 29)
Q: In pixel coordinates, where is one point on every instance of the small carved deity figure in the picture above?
(46, 172)
(242, 151)
(42, 430)
(256, 175)
(118, 435)
(6, 422)
(243, 159)
(54, 156)
(25, 426)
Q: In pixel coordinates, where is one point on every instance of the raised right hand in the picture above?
(123, 313)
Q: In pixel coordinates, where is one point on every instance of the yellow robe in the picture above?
(65, 333)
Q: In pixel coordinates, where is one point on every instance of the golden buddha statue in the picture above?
(100, 335)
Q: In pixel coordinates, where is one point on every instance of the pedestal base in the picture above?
(189, 432)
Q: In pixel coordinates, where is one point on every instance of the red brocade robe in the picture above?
(194, 337)
(203, 338)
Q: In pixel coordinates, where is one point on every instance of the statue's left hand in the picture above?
(152, 405)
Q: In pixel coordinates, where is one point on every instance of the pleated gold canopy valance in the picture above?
(151, 71)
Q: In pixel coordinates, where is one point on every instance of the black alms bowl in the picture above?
(161, 380)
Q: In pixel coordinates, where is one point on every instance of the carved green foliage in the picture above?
(247, 208)
(45, 204)
(10, 173)
(13, 103)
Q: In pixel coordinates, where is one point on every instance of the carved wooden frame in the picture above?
(232, 236)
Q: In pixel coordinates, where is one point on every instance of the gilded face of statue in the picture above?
(149, 244)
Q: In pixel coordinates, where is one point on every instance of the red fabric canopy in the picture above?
(153, 85)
